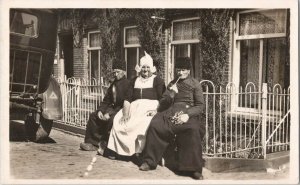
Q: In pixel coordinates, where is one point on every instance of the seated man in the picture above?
(100, 121)
(182, 104)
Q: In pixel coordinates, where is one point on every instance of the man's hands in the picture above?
(183, 118)
(104, 117)
(179, 118)
(174, 88)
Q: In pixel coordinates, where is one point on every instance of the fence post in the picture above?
(264, 118)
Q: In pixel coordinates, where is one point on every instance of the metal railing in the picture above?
(240, 123)
(80, 97)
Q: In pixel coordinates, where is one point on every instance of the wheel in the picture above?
(37, 132)
(44, 129)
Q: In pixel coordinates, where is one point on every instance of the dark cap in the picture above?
(119, 64)
(183, 63)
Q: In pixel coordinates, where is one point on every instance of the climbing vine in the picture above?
(150, 34)
(214, 37)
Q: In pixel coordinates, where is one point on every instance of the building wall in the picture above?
(80, 56)
(78, 60)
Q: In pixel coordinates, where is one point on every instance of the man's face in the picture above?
(118, 74)
(182, 73)
(145, 71)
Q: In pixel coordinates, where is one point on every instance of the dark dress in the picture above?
(189, 135)
(97, 129)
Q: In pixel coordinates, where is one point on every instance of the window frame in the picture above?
(236, 61)
(124, 36)
(89, 49)
(37, 27)
(190, 41)
(258, 36)
(171, 65)
(126, 46)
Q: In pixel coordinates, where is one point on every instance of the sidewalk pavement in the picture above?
(62, 159)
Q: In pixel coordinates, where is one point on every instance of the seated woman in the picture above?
(127, 136)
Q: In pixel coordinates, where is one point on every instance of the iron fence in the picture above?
(247, 122)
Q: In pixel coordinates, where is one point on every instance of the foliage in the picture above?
(109, 26)
(214, 37)
(150, 34)
(214, 52)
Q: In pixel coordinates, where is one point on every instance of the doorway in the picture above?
(67, 54)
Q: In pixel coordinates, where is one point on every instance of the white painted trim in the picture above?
(255, 10)
(186, 19)
(185, 41)
(261, 36)
(126, 60)
(99, 64)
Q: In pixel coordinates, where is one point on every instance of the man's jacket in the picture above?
(114, 97)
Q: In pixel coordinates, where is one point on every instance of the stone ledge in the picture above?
(274, 161)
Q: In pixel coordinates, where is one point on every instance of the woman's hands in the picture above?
(151, 112)
(124, 119)
(126, 108)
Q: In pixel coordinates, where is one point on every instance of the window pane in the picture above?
(24, 23)
(186, 30)
(33, 68)
(249, 71)
(95, 64)
(181, 50)
(131, 36)
(262, 22)
(131, 62)
(275, 69)
(95, 40)
(249, 65)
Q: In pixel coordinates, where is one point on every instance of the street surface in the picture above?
(61, 158)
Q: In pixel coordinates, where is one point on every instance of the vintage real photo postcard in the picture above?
(155, 92)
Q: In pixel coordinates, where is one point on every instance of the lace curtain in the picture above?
(262, 22)
(186, 30)
(131, 36)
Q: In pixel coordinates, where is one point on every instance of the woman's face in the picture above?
(145, 71)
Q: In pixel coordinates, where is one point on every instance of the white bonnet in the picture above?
(146, 60)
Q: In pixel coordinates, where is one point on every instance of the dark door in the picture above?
(67, 49)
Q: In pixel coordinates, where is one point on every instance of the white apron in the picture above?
(129, 138)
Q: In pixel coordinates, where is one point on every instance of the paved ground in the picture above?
(62, 159)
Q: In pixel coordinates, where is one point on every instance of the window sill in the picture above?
(255, 116)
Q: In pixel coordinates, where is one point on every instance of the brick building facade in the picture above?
(180, 35)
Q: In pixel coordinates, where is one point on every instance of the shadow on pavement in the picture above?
(17, 133)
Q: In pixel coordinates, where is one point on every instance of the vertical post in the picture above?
(264, 118)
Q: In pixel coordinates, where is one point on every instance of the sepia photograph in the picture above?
(153, 92)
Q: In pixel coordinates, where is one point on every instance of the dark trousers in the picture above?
(188, 137)
(97, 129)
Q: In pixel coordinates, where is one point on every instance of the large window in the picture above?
(132, 50)
(185, 43)
(261, 51)
(94, 49)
